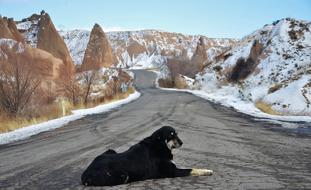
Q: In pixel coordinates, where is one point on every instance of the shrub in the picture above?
(274, 88)
(242, 69)
(166, 83)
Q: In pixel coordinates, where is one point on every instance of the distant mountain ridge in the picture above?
(129, 47)
(132, 46)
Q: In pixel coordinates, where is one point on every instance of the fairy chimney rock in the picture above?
(98, 53)
(50, 41)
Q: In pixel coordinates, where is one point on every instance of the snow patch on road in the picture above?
(26, 132)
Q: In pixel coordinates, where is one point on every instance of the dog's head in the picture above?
(168, 136)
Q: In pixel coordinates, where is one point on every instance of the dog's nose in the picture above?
(179, 141)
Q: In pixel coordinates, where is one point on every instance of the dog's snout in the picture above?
(179, 141)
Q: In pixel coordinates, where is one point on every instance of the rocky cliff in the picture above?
(42, 64)
(49, 40)
(8, 30)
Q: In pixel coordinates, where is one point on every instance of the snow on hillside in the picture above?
(159, 44)
(271, 66)
(76, 41)
(10, 44)
(30, 29)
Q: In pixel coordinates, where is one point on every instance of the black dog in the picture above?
(149, 159)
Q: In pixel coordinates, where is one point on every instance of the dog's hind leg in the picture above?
(110, 151)
(118, 177)
(103, 178)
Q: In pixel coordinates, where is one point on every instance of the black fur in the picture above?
(149, 159)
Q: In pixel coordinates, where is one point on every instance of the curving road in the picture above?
(244, 153)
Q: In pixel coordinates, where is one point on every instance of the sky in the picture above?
(212, 18)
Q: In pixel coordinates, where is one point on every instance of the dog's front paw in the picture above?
(199, 172)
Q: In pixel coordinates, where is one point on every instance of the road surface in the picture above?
(244, 153)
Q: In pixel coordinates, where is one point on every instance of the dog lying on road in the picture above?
(151, 158)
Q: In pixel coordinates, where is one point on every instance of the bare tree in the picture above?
(88, 78)
(72, 90)
(113, 85)
(18, 81)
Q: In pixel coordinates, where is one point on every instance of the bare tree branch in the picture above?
(18, 82)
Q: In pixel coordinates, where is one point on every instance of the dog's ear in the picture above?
(158, 137)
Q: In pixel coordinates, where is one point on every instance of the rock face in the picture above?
(15, 33)
(4, 29)
(98, 53)
(189, 67)
(43, 64)
(8, 30)
(134, 49)
(50, 41)
(200, 56)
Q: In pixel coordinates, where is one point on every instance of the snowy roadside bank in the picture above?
(26, 132)
(241, 106)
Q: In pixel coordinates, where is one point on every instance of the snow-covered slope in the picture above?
(29, 27)
(76, 41)
(270, 68)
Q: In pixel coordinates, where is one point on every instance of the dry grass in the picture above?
(180, 82)
(49, 112)
(9, 124)
(41, 114)
(105, 100)
(266, 108)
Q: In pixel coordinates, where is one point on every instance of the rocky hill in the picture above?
(9, 30)
(146, 47)
(270, 68)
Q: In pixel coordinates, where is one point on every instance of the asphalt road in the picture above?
(244, 153)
